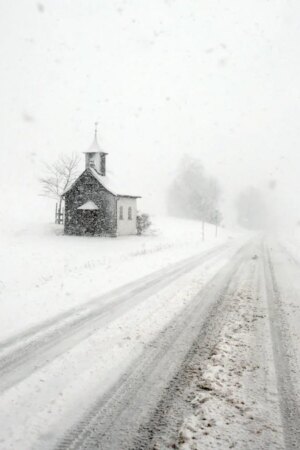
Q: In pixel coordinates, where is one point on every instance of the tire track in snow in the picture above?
(126, 416)
(283, 356)
(22, 355)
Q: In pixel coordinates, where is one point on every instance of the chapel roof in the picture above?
(109, 183)
(112, 185)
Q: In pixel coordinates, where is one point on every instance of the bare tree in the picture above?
(193, 193)
(59, 176)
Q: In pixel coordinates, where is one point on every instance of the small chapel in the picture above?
(94, 204)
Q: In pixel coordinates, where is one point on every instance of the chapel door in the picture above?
(91, 222)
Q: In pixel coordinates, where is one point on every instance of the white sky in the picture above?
(218, 79)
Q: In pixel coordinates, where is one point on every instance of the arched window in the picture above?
(129, 213)
(121, 213)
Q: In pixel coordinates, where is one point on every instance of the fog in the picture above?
(217, 80)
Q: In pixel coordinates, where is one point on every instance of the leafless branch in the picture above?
(59, 175)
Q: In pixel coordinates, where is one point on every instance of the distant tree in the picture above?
(142, 223)
(216, 217)
(193, 194)
(252, 210)
(59, 176)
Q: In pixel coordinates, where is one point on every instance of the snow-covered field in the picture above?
(44, 273)
(130, 333)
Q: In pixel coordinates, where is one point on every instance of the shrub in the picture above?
(142, 223)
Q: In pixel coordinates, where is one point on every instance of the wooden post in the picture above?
(59, 214)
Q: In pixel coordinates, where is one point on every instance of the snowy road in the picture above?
(282, 274)
(23, 354)
(203, 354)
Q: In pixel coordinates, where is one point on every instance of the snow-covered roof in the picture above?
(109, 183)
(112, 185)
(91, 206)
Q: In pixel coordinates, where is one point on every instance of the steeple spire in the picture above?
(95, 148)
(96, 130)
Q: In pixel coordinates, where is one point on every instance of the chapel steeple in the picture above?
(95, 157)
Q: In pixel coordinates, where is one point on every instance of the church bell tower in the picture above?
(95, 157)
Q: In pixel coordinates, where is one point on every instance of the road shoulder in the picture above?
(231, 400)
